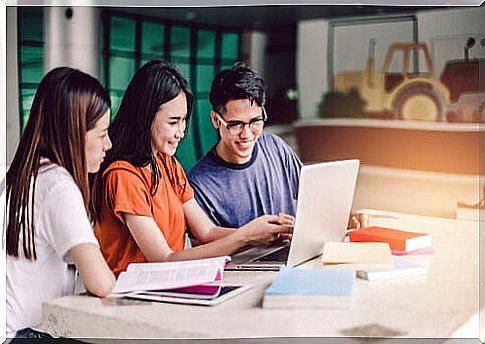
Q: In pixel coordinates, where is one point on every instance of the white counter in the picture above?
(439, 305)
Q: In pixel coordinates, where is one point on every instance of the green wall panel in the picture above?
(122, 34)
(153, 37)
(121, 70)
(123, 51)
(207, 133)
(186, 152)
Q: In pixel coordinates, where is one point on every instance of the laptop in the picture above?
(324, 202)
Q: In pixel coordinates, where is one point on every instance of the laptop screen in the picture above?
(324, 202)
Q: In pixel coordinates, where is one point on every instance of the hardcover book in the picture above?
(396, 238)
(310, 288)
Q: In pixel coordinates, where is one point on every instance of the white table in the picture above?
(443, 304)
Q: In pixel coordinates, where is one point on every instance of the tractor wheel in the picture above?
(419, 102)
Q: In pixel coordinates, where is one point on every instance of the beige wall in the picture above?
(253, 46)
(445, 24)
(311, 65)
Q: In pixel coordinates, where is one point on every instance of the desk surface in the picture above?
(443, 304)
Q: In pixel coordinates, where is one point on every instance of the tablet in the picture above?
(202, 295)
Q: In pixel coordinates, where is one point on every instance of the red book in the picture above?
(397, 239)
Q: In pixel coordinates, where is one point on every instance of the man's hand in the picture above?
(289, 221)
(267, 228)
(358, 220)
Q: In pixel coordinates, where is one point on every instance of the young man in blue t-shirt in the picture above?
(248, 173)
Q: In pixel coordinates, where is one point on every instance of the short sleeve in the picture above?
(126, 192)
(293, 164)
(294, 167)
(64, 219)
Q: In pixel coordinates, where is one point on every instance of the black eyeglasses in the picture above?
(236, 127)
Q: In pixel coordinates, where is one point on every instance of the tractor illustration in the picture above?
(413, 93)
(467, 95)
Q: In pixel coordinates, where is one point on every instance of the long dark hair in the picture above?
(153, 85)
(66, 105)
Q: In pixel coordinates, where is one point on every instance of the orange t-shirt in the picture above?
(127, 190)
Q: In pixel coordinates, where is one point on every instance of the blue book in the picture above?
(310, 288)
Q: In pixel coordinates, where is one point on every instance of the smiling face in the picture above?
(237, 149)
(168, 126)
(97, 143)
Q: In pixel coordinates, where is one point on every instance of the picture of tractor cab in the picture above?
(462, 77)
(411, 92)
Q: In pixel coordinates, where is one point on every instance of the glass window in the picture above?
(30, 23)
(208, 134)
(31, 63)
(31, 57)
(227, 66)
(230, 46)
(120, 57)
(184, 68)
(186, 152)
(180, 42)
(116, 97)
(123, 59)
(121, 70)
(27, 96)
(206, 44)
(205, 74)
(122, 34)
(153, 35)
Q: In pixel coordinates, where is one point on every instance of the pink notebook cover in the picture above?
(425, 251)
(203, 289)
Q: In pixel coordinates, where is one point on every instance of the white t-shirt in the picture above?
(61, 223)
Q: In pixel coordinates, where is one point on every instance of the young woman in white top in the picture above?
(48, 230)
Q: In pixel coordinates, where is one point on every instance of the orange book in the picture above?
(396, 238)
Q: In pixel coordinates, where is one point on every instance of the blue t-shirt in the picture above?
(232, 194)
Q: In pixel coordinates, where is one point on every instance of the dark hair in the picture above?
(153, 85)
(66, 105)
(239, 82)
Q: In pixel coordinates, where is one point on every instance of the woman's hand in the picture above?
(267, 228)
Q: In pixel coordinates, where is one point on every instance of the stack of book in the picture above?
(310, 288)
(356, 255)
(402, 268)
(401, 242)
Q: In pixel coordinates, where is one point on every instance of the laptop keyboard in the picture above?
(277, 256)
